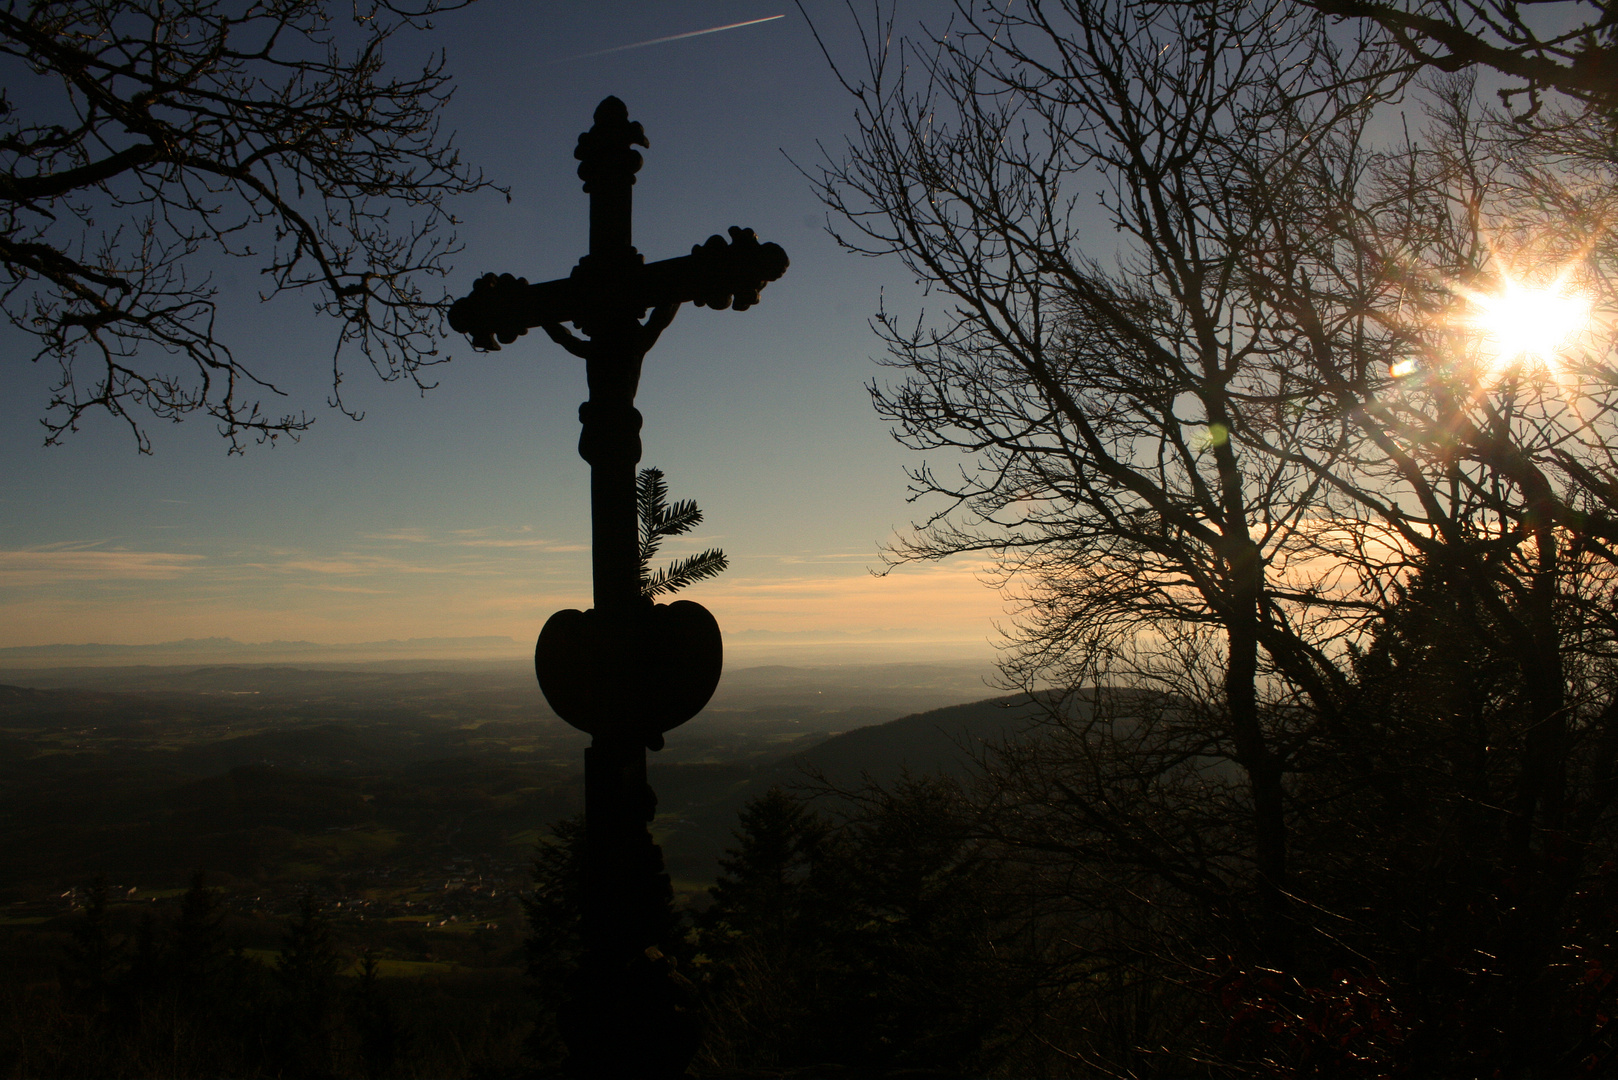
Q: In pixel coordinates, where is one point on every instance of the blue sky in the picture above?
(465, 512)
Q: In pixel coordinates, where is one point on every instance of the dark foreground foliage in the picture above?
(862, 940)
(1078, 906)
(176, 996)
(1084, 905)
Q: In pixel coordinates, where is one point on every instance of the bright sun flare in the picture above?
(1522, 322)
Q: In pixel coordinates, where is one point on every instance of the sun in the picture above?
(1522, 322)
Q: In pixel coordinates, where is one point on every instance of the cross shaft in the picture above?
(627, 670)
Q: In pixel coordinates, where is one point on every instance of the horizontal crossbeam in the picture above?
(718, 275)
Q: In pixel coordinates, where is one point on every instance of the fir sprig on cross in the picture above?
(659, 519)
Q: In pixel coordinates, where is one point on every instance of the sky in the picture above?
(464, 512)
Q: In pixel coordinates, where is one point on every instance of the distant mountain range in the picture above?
(742, 648)
(224, 649)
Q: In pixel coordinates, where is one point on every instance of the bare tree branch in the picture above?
(150, 135)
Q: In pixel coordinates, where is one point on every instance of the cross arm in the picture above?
(504, 307)
(501, 308)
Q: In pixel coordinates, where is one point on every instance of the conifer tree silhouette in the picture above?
(94, 955)
(659, 519)
(554, 940)
(198, 954)
(307, 969)
(382, 1036)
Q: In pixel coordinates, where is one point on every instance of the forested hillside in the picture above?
(168, 835)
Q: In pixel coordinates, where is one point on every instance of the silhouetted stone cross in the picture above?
(627, 670)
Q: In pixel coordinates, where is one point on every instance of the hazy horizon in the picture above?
(742, 649)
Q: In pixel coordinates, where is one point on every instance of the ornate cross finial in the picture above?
(608, 163)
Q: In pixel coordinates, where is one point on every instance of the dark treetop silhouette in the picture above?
(627, 670)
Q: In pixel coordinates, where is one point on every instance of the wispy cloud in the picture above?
(477, 538)
(323, 586)
(403, 536)
(351, 564)
(865, 556)
(671, 37)
(531, 545)
(63, 563)
(935, 600)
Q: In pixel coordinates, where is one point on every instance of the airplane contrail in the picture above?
(675, 37)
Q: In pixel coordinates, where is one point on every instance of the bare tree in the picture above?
(1574, 53)
(1235, 469)
(1106, 410)
(1472, 498)
(139, 136)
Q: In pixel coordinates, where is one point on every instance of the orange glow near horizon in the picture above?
(146, 598)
